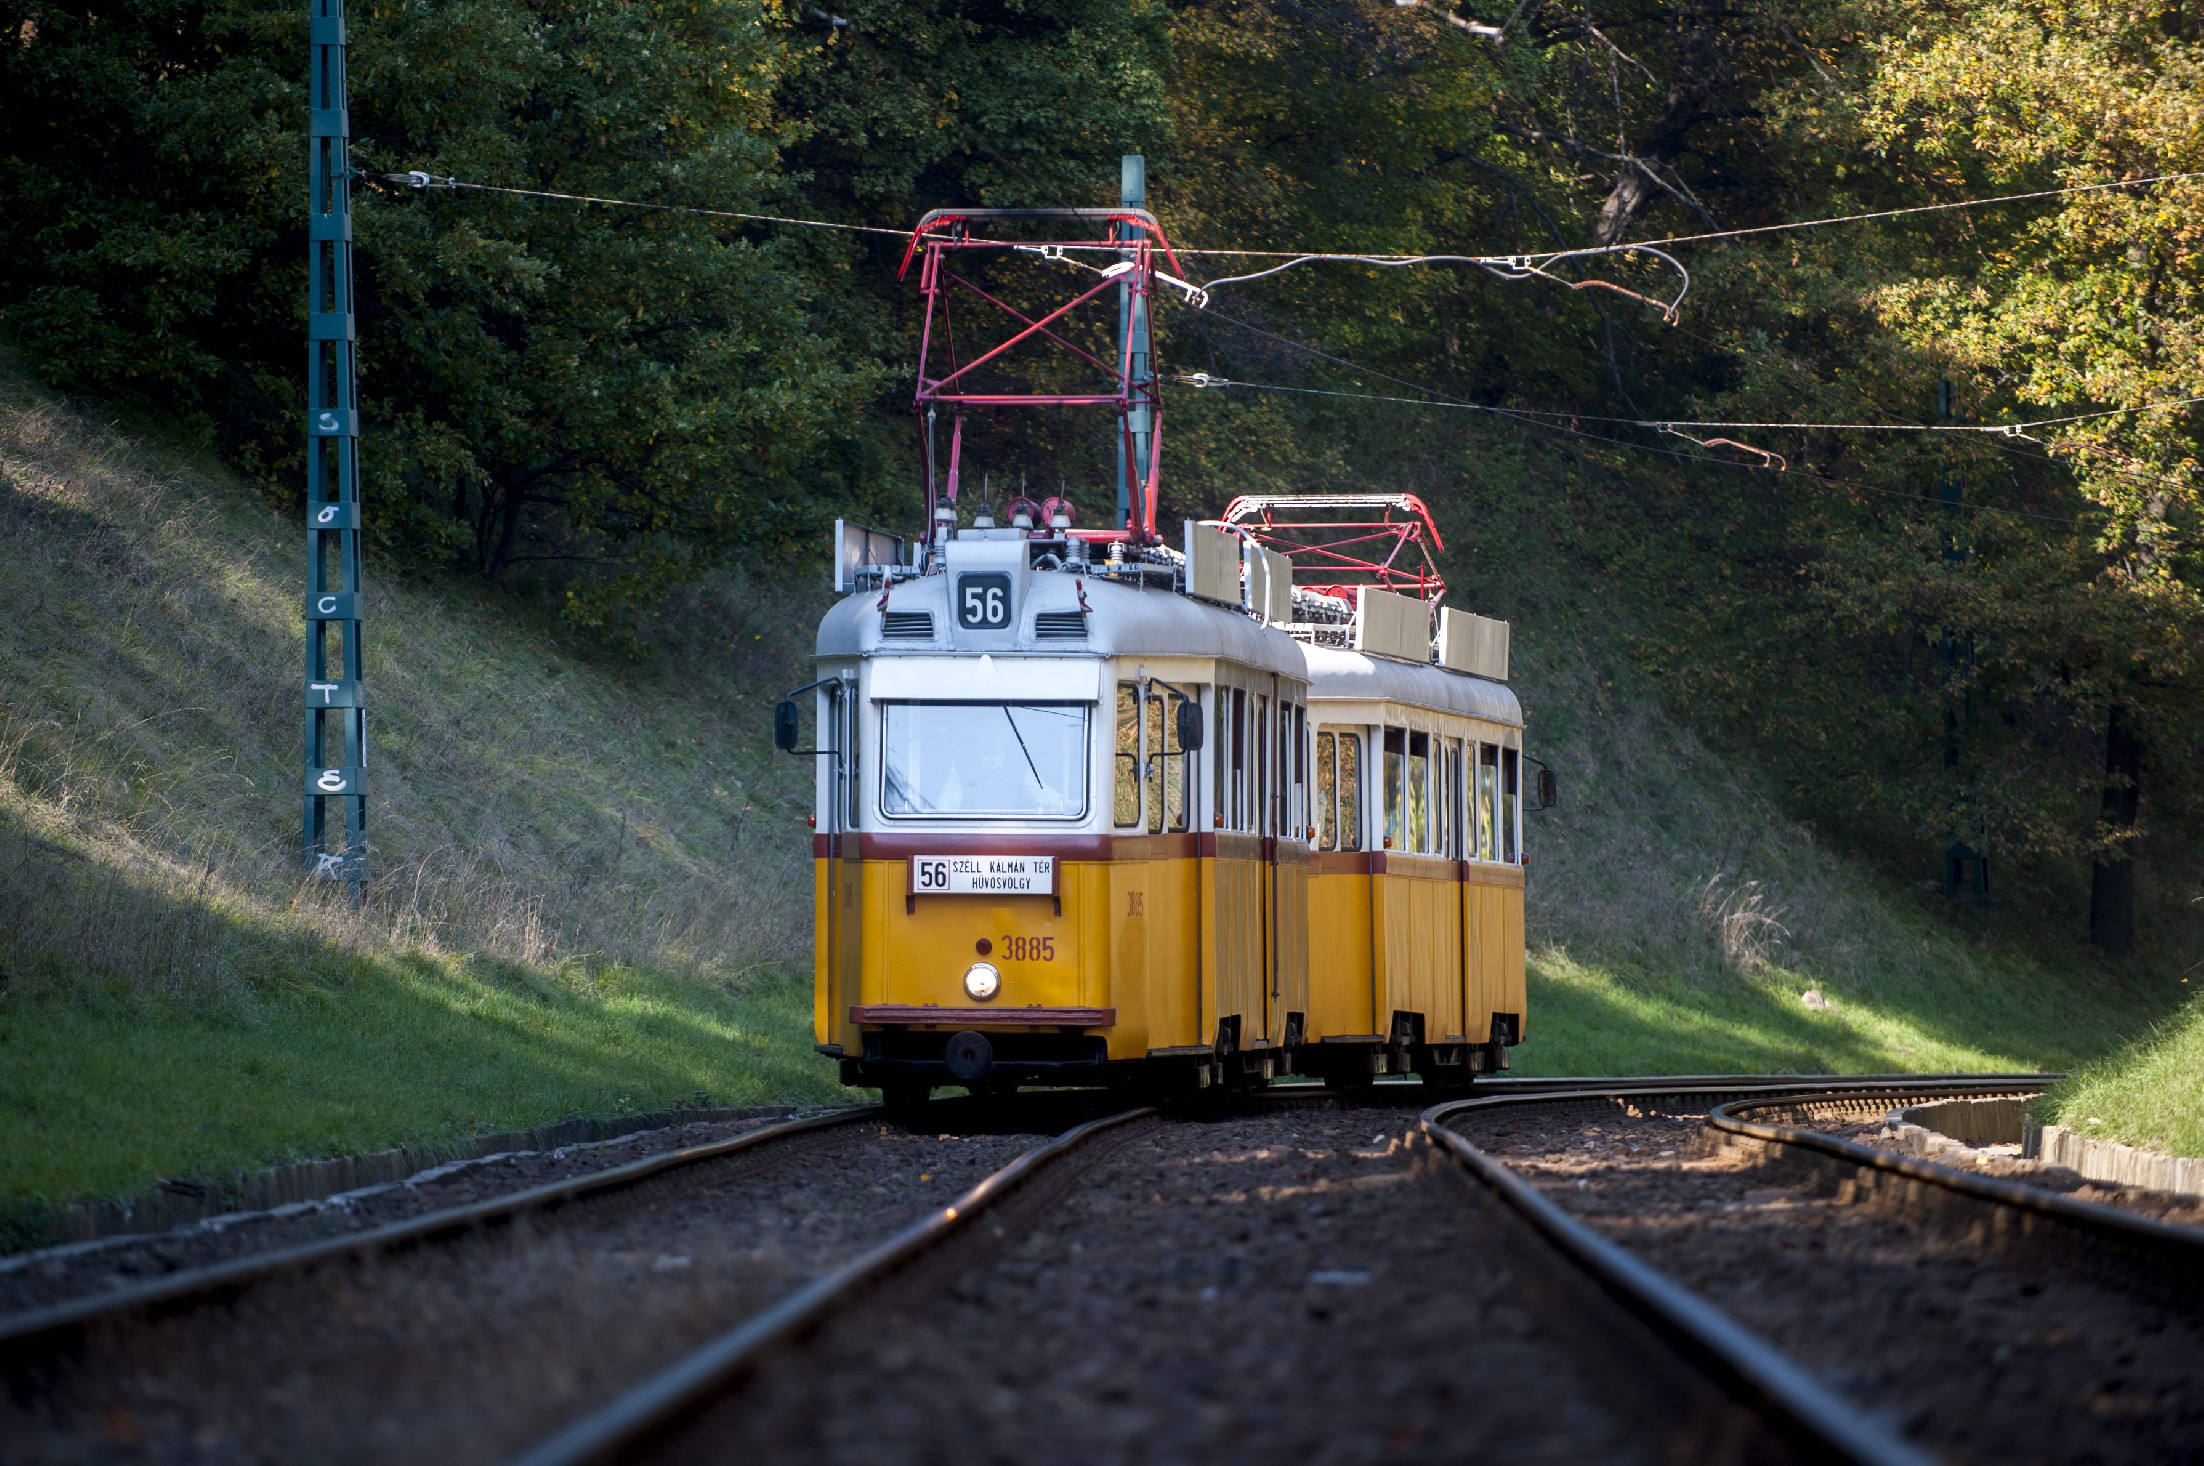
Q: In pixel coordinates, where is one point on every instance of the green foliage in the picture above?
(622, 397)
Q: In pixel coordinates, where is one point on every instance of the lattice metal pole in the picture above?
(1133, 332)
(334, 697)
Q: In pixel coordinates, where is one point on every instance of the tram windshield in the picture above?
(984, 759)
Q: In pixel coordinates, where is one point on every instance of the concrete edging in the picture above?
(2108, 1160)
(1950, 1129)
(180, 1202)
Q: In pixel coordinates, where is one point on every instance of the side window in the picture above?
(1237, 818)
(1127, 760)
(1300, 814)
(1440, 768)
(1350, 791)
(1485, 796)
(1419, 792)
(1153, 749)
(1451, 808)
(1265, 788)
(1327, 791)
(1220, 744)
(834, 774)
(1395, 774)
(1178, 767)
(1511, 790)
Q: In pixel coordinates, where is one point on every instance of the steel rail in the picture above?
(1747, 1365)
(225, 1280)
(1532, 1084)
(677, 1391)
(2184, 1243)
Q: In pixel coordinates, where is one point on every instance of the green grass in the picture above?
(592, 879)
(1592, 1019)
(2150, 1093)
(98, 1095)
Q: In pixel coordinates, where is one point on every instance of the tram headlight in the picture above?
(982, 981)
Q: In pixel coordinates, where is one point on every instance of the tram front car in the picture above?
(1007, 844)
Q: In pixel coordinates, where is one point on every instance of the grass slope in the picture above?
(1678, 921)
(591, 891)
(2150, 1093)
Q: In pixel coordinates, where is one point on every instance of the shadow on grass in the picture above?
(1592, 1018)
(107, 1085)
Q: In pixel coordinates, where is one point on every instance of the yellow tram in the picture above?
(1091, 807)
(1085, 819)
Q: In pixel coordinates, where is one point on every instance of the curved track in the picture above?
(1876, 1304)
(1787, 1403)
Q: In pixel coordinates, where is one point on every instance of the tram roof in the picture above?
(1123, 621)
(1346, 675)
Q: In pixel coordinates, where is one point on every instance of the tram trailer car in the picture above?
(1415, 905)
(1076, 825)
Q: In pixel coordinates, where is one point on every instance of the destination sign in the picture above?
(983, 875)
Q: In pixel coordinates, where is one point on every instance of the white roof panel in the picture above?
(1123, 622)
(1354, 676)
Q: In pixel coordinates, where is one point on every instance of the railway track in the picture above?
(462, 1332)
(1884, 1307)
(225, 1281)
(691, 1410)
(1725, 1384)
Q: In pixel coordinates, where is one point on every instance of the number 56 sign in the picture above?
(983, 601)
(983, 875)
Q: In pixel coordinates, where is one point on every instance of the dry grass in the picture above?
(530, 803)
(1679, 920)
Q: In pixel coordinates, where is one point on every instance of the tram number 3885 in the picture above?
(983, 601)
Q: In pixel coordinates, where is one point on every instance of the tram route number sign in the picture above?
(983, 601)
(983, 875)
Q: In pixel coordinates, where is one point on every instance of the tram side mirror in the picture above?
(1190, 726)
(787, 724)
(1549, 789)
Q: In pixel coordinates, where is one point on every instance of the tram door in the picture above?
(1258, 876)
(1237, 906)
(1288, 850)
(842, 886)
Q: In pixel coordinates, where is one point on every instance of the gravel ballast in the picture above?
(1311, 1285)
(1983, 1353)
(467, 1350)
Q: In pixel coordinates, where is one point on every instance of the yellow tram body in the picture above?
(1416, 892)
(1074, 824)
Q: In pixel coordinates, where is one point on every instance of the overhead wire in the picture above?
(418, 179)
(1297, 256)
(1187, 379)
(1518, 266)
(1539, 419)
(2000, 439)
(1506, 267)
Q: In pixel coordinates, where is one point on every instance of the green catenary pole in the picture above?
(336, 716)
(1132, 328)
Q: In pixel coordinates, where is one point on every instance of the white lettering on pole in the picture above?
(983, 875)
(328, 514)
(332, 780)
(325, 689)
(326, 604)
